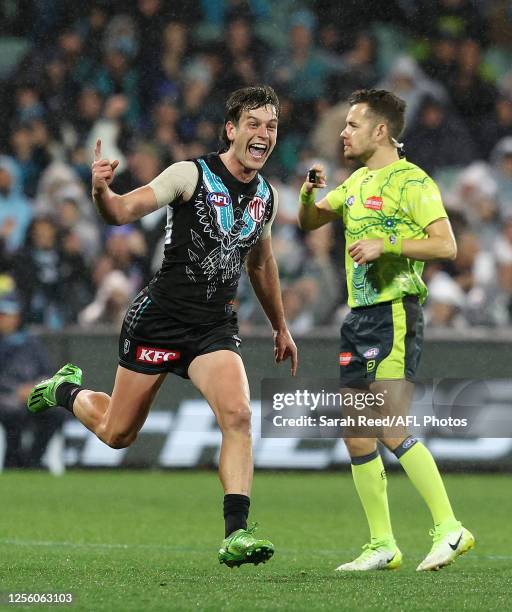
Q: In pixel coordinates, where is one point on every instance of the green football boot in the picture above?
(42, 395)
(242, 547)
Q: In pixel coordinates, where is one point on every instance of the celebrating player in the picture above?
(219, 214)
(394, 221)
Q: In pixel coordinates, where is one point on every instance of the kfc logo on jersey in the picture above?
(374, 202)
(256, 209)
(219, 199)
(154, 355)
(345, 359)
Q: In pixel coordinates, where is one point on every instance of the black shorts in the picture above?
(152, 342)
(381, 342)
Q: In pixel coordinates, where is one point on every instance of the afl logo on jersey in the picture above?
(218, 199)
(256, 209)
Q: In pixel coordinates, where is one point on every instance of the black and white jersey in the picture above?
(208, 236)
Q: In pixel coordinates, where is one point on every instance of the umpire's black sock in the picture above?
(236, 511)
(66, 394)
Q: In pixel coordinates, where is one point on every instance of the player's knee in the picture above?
(358, 447)
(116, 439)
(394, 442)
(236, 416)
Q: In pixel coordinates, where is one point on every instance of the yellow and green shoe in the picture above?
(243, 547)
(42, 395)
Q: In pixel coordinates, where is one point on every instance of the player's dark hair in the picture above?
(385, 104)
(245, 99)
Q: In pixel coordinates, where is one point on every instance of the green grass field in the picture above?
(148, 541)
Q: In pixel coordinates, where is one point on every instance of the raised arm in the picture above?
(118, 209)
(313, 215)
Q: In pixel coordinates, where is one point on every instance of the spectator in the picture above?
(243, 55)
(457, 18)
(126, 247)
(37, 271)
(438, 139)
(358, 67)
(446, 302)
(30, 147)
(474, 273)
(503, 255)
(15, 210)
(149, 17)
(323, 270)
(119, 74)
(89, 106)
(143, 165)
(407, 80)
(110, 303)
(475, 194)
(496, 125)
(299, 65)
(501, 162)
(472, 95)
(297, 300)
(175, 46)
(75, 283)
(24, 363)
(441, 64)
(60, 181)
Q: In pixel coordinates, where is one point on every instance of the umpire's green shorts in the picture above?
(381, 342)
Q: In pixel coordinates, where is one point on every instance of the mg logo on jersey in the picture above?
(155, 355)
(345, 359)
(374, 203)
(219, 199)
(256, 209)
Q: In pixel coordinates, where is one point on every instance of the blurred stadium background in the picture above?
(150, 78)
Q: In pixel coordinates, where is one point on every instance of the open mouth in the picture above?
(258, 150)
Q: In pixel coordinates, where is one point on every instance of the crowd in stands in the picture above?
(150, 78)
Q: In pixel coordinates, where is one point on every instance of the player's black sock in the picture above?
(66, 393)
(236, 511)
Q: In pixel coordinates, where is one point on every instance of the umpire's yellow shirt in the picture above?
(397, 200)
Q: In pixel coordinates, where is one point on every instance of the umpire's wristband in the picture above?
(307, 199)
(393, 244)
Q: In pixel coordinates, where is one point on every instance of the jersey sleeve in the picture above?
(337, 197)
(268, 225)
(424, 203)
(177, 181)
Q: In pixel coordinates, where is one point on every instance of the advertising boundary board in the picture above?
(168, 439)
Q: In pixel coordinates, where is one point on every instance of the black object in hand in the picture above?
(312, 176)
